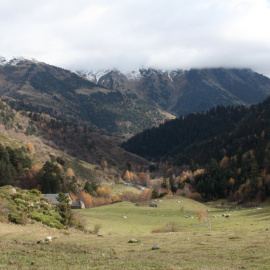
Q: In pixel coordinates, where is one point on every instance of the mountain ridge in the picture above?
(184, 91)
(65, 95)
(123, 104)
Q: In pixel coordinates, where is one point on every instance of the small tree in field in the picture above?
(155, 194)
(203, 217)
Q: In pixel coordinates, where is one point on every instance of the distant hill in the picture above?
(181, 92)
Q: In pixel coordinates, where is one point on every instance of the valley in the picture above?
(238, 242)
(177, 160)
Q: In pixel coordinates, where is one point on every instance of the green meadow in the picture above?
(241, 241)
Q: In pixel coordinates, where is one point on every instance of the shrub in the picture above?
(46, 220)
(196, 197)
(203, 217)
(16, 218)
(155, 194)
(35, 191)
(4, 211)
(77, 221)
(97, 227)
(169, 227)
(19, 201)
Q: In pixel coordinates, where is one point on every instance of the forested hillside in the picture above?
(230, 144)
(42, 88)
(40, 151)
(174, 136)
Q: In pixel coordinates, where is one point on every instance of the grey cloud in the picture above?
(133, 33)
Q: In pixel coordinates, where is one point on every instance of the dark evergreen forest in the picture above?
(232, 145)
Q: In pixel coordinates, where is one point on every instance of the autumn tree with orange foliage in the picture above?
(105, 192)
(224, 162)
(87, 199)
(70, 173)
(203, 217)
(145, 195)
(30, 148)
(104, 163)
(35, 169)
(116, 198)
(127, 175)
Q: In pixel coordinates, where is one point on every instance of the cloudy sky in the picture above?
(129, 34)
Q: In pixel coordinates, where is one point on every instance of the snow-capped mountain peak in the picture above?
(93, 76)
(12, 62)
(133, 75)
(3, 61)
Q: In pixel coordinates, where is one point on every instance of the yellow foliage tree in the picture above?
(60, 167)
(87, 199)
(70, 173)
(198, 172)
(145, 195)
(231, 181)
(141, 177)
(127, 175)
(203, 217)
(108, 192)
(224, 162)
(105, 192)
(104, 163)
(30, 148)
(116, 198)
(101, 191)
(35, 169)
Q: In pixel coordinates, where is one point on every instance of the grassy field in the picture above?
(241, 241)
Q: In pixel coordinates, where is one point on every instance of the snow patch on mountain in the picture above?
(133, 75)
(93, 76)
(12, 62)
(3, 61)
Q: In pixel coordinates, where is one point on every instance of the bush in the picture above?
(196, 197)
(169, 227)
(35, 191)
(46, 220)
(16, 218)
(77, 221)
(20, 202)
(97, 227)
(4, 211)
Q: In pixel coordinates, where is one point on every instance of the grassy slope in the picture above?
(141, 219)
(239, 242)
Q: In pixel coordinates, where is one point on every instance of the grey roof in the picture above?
(53, 197)
(76, 204)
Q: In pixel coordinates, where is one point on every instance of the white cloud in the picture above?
(128, 34)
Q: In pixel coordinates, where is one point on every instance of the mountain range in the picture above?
(123, 104)
(61, 114)
(184, 91)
